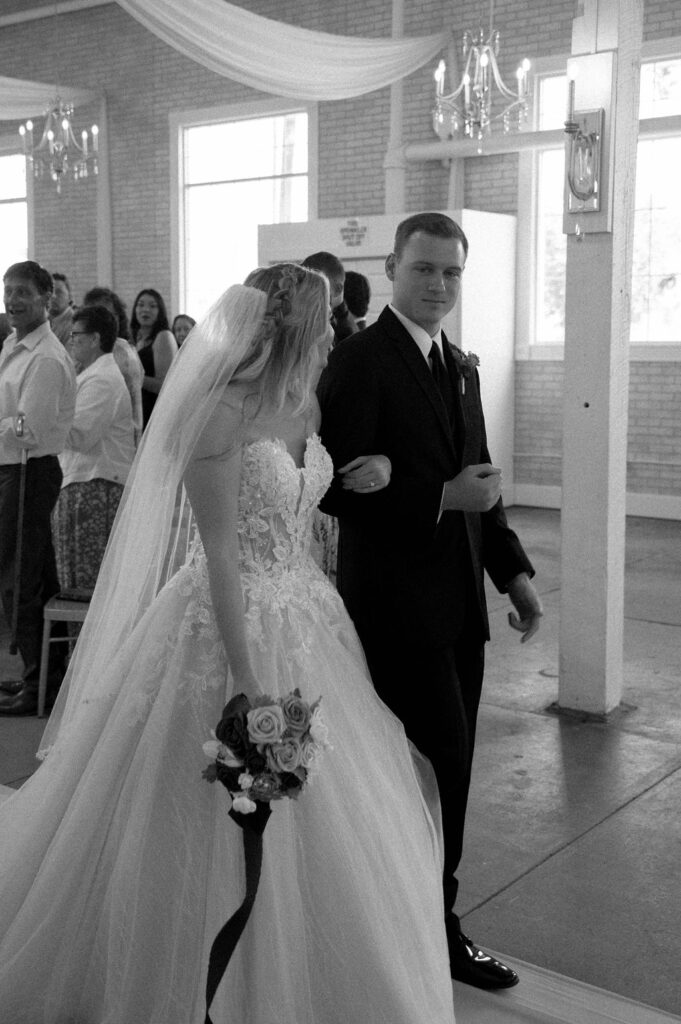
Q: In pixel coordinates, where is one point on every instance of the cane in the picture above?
(19, 430)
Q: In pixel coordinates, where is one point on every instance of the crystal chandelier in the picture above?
(469, 107)
(58, 153)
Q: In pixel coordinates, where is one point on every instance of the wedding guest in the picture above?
(332, 268)
(37, 401)
(124, 352)
(61, 307)
(155, 344)
(182, 325)
(97, 455)
(357, 293)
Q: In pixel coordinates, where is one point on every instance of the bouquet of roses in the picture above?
(263, 749)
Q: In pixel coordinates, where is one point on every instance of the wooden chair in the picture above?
(57, 609)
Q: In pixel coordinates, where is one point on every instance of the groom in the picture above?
(412, 555)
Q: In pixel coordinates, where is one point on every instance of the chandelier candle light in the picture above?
(470, 105)
(58, 151)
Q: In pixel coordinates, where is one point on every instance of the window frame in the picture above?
(10, 145)
(181, 120)
(527, 348)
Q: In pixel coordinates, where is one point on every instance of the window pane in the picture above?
(660, 88)
(237, 175)
(222, 231)
(551, 250)
(552, 102)
(656, 272)
(13, 234)
(13, 176)
(257, 148)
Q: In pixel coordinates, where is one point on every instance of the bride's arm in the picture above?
(212, 482)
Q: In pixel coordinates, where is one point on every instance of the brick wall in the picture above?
(145, 81)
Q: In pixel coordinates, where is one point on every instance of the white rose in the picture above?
(319, 732)
(245, 781)
(243, 805)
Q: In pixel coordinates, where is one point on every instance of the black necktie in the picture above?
(441, 377)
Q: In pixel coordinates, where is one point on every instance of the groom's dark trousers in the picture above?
(411, 576)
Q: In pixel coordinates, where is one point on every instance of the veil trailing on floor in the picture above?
(145, 543)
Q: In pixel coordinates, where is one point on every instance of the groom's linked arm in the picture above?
(349, 395)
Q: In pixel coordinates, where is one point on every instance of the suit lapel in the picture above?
(410, 353)
(459, 402)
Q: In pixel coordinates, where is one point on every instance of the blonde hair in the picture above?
(281, 357)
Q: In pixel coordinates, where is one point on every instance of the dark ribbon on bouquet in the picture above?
(253, 826)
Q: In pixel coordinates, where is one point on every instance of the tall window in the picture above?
(236, 175)
(13, 210)
(656, 273)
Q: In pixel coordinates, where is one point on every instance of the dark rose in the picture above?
(255, 761)
(291, 783)
(232, 729)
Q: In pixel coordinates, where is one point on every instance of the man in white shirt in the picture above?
(37, 402)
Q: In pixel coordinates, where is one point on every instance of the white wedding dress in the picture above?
(119, 863)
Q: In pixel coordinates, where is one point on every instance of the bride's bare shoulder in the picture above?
(225, 431)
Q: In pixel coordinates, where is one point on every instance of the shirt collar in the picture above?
(31, 339)
(99, 364)
(419, 334)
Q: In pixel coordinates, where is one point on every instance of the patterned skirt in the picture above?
(81, 524)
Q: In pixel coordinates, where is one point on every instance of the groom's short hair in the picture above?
(437, 224)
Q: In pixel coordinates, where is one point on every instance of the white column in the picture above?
(597, 375)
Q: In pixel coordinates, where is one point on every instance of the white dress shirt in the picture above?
(420, 335)
(38, 379)
(100, 444)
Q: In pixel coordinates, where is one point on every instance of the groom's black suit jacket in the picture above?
(402, 572)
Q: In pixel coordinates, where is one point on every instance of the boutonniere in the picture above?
(465, 364)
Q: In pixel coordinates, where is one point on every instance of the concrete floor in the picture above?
(573, 850)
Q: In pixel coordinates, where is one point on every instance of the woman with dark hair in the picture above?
(123, 351)
(155, 344)
(182, 325)
(97, 455)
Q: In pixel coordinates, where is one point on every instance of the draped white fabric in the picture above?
(20, 99)
(279, 58)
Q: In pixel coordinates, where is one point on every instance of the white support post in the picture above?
(596, 376)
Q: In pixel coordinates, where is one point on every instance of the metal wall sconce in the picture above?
(583, 156)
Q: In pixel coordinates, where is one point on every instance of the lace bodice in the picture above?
(277, 503)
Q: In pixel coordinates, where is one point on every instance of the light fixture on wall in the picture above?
(469, 107)
(58, 153)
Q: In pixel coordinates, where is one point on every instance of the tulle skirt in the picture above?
(119, 863)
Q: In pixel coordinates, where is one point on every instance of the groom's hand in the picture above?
(528, 607)
(476, 489)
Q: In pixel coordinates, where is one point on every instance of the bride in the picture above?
(118, 863)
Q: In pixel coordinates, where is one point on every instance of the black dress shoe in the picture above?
(11, 686)
(25, 702)
(470, 964)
